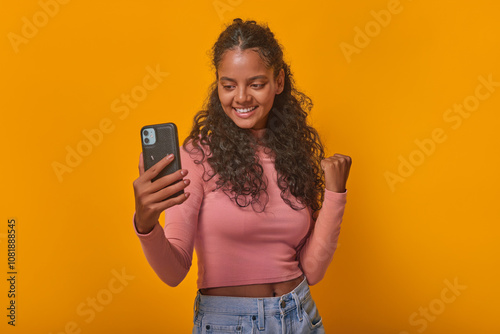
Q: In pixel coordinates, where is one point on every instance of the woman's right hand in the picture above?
(149, 196)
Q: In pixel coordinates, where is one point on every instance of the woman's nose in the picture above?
(242, 96)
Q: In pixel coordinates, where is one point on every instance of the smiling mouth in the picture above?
(244, 110)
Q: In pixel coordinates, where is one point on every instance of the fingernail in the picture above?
(186, 182)
(170, 156)
(183, 172)
(187, 194)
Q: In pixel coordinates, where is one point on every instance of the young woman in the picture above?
(262, 205)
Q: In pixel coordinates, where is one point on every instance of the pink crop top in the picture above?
(238, 246)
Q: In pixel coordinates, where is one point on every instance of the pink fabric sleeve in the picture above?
(169, 251)
(317, 253)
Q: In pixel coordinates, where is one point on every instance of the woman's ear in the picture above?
(280, 82)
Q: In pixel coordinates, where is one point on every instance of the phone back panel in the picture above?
(167, 142)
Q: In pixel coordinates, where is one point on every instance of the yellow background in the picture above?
(398, 245)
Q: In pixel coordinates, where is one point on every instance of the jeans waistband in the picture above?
(253, 306)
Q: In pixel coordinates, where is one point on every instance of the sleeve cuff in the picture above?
(156, 229)
(335, 196)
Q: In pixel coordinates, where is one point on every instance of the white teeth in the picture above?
(244, 110)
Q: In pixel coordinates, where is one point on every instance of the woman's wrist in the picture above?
(142, 229)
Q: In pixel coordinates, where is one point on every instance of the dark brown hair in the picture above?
(296, 146)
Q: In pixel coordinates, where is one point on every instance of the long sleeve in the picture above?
(169, 251)
(317, 253)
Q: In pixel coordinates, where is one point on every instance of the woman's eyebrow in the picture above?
(249, 79)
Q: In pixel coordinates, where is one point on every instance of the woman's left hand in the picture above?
(336, 169)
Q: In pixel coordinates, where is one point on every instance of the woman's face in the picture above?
(246, 88)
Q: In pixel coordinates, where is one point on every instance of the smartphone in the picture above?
(158, 141)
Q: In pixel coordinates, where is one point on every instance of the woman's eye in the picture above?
(253, 85)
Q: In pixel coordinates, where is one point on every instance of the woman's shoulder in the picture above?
(194, 155)
(195, 149)
(194, 158)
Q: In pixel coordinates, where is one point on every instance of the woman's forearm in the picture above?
(318, 250)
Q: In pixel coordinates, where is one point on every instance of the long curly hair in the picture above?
(295, 146)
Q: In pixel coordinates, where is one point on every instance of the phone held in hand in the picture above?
(158, 141)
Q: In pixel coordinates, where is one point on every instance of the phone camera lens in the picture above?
(146, 133)
(146, 140)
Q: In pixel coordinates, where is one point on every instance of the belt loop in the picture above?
(260, 305)
(298, 304)
(196, 306)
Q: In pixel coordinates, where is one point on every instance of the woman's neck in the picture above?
(259, 133)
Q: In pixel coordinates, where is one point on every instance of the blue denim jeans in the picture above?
(294, 312)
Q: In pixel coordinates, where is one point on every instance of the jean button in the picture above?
(283, 304)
